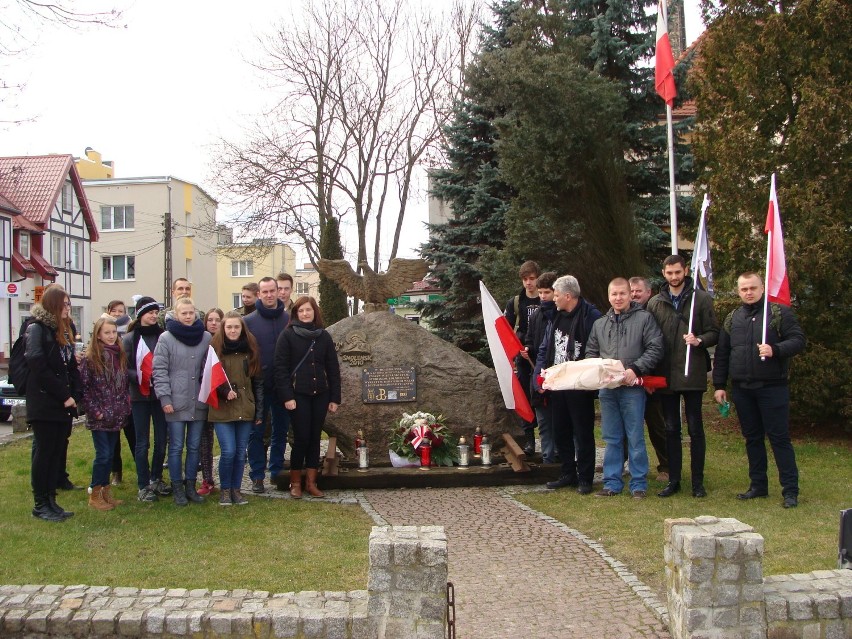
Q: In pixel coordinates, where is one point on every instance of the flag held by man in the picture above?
(213, 377)
(777, 284)
(504, 346)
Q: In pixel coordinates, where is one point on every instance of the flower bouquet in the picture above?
(412, 430)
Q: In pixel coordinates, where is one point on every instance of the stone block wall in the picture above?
(716, 589)
(406, 599)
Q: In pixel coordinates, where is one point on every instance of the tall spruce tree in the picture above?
(332, 298)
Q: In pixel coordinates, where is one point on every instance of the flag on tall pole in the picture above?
(213, 377)
(665, 85)
(504, 346)
(144, 367)
(664, 63)
(777, 285)
(701, 266)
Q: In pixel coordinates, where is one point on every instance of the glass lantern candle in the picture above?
(425, 455)
(485, 449)
(464, 453)
(477, 441)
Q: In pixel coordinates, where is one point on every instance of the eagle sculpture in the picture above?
(374, 288)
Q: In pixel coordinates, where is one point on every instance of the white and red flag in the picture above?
(664, 60)
(213, 377)
(777, 285)
(144, 367)
(504, 346)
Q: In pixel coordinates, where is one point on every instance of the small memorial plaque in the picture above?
(392, 384)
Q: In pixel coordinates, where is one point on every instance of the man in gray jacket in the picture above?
(629, 334)
(688, 323)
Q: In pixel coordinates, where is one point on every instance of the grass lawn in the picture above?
(796, 540)
(279, 545)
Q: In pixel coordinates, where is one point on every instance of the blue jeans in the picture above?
(104, 442)
(623, 414)
(178, 432)
(233, 439)
(543, 415)
(764, 413)
(144, 413)
(277, 442)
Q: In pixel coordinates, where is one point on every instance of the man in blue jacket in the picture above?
(266, 323)
(629, 334)
(758, 370)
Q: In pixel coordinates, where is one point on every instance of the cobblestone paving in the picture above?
(518, 575)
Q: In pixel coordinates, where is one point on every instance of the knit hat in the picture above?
(145, 305)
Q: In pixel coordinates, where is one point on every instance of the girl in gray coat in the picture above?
(178, 365)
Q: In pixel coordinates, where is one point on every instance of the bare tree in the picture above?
(363, 89)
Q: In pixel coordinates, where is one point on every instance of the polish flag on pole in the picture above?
(504, 346)
(777, 285)
(144, 367)
(664, 63)
(213, 377)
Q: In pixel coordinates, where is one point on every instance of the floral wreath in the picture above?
(409, 434)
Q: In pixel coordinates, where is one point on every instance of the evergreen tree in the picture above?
(332, 298)
(770, 82)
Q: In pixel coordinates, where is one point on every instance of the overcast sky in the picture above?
(153, 96)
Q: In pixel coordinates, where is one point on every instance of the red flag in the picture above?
(504, 346)
(664, 63)
(213, 377)
(777, 285)
(144, 367)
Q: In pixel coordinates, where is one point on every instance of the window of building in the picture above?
(117, 218)
(56, 253)
(118, 267)
(303, 288)
(77, 318)
(76, 261)
(68, 197)
(242, 268)
(24, 244)
(237, 300)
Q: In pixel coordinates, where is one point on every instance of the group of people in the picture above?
(277, 358)
(669, 334)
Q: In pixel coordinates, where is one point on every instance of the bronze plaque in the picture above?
(392, 384)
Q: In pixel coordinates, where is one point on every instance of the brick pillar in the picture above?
(714, 579)
(407, 581)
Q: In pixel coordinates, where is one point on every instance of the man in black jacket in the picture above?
(539, 400)
(758, 370)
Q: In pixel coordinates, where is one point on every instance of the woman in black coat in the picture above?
(53, 388)
(307, 379)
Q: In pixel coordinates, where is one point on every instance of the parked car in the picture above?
(8, 397)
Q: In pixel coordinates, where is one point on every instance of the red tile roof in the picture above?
(33, 184)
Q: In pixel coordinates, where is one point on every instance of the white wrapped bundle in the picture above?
(587, 374)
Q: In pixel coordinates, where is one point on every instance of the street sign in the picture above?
(9, 289)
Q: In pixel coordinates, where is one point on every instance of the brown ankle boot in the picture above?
(108, 498)
(96, 499)
(311, 484)
(296, 484)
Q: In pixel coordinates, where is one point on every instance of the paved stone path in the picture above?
(517, 574)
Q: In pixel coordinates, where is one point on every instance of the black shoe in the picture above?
(529, 450)
(671, 488)
(751, 493)
(584, 489)
(791, 501)
(179, 493)
(59, 510)
(192, 494)
(562, 482)
(699, 491)
(42, 510)
(257, 487)
(66, 484)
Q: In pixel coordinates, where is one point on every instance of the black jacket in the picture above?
(53, 371)
(319, 372)
(736, 353)
(582, 318)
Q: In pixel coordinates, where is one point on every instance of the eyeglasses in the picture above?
(67, 303)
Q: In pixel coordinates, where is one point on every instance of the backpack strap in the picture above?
(517, 305)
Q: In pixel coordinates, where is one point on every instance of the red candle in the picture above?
(425, 456)
(477, 442)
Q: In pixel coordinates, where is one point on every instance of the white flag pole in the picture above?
(695, 272)
(672, 197)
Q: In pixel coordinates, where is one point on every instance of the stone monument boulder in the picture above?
(448, 382)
